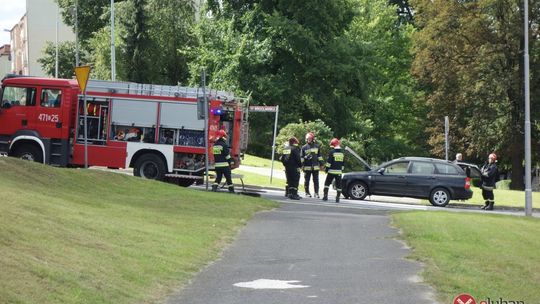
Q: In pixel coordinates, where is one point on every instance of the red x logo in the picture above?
(464, 299)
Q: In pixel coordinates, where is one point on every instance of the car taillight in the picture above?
(467, 183)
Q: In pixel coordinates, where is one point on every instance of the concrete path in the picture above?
(312, 253)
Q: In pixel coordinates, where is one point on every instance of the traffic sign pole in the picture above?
(274, 143)
(82, 74)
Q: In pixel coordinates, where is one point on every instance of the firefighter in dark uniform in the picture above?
(293, 164)
(312, 161)
(285, 155)
(489, 178)
(222, 161)
(334, 168)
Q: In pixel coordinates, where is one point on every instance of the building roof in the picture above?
(5, 49)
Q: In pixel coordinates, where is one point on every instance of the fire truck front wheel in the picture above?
(150, 166)
(29, 152)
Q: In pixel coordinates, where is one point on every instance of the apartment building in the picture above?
(29, 36)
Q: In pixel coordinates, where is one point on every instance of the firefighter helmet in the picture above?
(310, 135)
(293, 141)
(221, 133)
(493, 156)
(334, 142)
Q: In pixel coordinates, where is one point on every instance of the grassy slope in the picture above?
(251, 178)
(85, 236)
(510, 198)
(255, 161)
(480, 254)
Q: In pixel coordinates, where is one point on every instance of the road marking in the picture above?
(270, 284)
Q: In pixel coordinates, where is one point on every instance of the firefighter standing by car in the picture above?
(334, 168)
(222, 161)
(292, 162)
(312, 161)
(489, 178)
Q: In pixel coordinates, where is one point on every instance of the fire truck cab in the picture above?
(154, 129)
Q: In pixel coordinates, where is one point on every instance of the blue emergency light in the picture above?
(217, 111)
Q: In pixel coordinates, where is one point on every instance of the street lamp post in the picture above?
(77, 33)
(528, 190)
(56, 63)
(113, 57)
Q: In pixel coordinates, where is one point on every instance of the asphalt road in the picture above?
(310, 252)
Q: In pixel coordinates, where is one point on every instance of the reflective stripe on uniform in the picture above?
(337, 172)
(222, 164)
(228, 157)
(217, 149)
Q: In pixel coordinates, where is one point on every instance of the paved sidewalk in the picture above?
(312, 254)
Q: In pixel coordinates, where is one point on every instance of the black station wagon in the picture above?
(437, 180)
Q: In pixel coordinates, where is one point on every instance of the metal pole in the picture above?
(76, 33)
(85, 132)
(274, 143)
(113, 55)
(206, 163)
(446, 130)
(56, 63)
(528, 191)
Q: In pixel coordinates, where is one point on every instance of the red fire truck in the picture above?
(154, 129)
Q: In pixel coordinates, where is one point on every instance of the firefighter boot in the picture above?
(337, 196)
(286, 191)
(490, 206)
(214, 188)
(325, 194)
(307, 191)
(294, 195)
(486, 203)
(231, 189)
(316, 195)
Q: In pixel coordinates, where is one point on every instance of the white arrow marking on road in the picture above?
(270, 284)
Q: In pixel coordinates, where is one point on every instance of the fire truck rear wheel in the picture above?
(150, 166)
(29, 152)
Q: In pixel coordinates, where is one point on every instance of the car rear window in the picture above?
(446, 169)
(422, 168)
(400, 167)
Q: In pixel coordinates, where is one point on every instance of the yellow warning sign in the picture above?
(82, 73)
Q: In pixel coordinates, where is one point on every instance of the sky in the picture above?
(11, 12)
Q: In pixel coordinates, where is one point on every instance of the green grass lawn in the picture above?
(87, 236)
(507, 198)
(483, 255)
(260, 180)
(255, 161)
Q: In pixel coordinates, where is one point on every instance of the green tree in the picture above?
(66, 59)
(468, 59)
(170, 30)
(136, 47)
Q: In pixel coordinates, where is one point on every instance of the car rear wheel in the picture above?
(358, 190)
(439, 197)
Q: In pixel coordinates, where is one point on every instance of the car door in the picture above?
(391, 179)
(48, 117)
(421, 178)
(17, 109)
